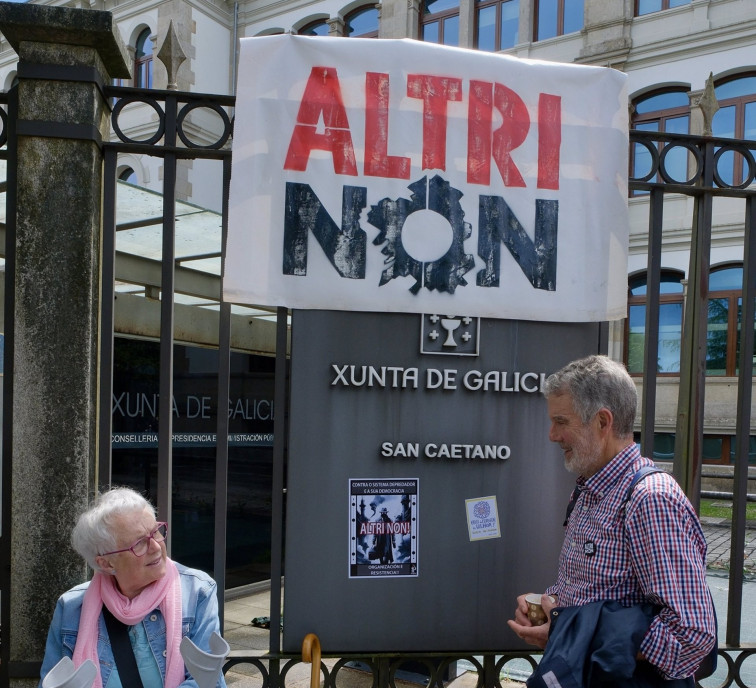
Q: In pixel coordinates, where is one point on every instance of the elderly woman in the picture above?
(157, 599)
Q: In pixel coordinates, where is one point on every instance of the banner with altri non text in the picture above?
(402, 176)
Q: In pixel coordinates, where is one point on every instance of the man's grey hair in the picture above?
(597, 382)
(93, 533)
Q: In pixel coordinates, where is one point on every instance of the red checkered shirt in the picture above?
(650, 549)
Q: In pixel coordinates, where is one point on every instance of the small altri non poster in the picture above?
(383, 527)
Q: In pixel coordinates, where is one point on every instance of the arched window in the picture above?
(143, 61)
(319, 27)
(664, 111)
(670, 323)
(127, 175)
(648, 6)
(736, 118)
(557, 18)
(497, 24)
(11, 80)
(724, 321)
(362, 23)
(440, 22)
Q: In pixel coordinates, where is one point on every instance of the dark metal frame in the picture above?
(8, 112)
(172, 143)
(172, 108)
(704, 184)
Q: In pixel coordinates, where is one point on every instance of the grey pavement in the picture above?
(717, 532)
(246, 639)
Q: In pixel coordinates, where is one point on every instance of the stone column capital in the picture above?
(335, 26)
(22, 22)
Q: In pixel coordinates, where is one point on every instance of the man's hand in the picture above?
(521, 625)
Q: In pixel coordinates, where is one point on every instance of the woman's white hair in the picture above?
(93, 533)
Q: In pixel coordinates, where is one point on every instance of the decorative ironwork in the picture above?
(173, 125)
(172, 55)
(660, 146)
(220, 141)
(490, 668)
(386, 669)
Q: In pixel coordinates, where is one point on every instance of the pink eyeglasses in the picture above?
(142, 545)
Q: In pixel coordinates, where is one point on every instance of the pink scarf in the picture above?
(164, 594)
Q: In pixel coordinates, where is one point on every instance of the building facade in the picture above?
(680, 56)
(675, 52)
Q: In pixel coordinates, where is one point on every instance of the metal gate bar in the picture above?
(107, 318)
(224, 383)
(742, 428)
(651, 351)
(704, 185)
(9, 105)
(165, 143)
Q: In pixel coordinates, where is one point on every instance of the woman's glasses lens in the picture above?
(158, 535)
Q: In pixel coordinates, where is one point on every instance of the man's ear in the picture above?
(605, 420)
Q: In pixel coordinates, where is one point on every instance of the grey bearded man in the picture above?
(630, 605)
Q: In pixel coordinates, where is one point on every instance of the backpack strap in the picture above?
(571, 504)
(123, 653)
(640, 474)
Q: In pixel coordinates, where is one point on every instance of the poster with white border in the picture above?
(383, 527)
(482, 518)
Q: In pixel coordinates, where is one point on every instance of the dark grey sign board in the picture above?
(423, 494)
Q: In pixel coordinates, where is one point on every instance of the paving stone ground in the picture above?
(718, 532)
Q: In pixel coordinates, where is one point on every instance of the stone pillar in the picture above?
(399, 19)
(414, 9)
(607, 33)
(65, 56)
(525, 25)
(467, 24)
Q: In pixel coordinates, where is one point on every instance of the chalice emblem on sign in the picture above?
(449, 334)
(450, 324)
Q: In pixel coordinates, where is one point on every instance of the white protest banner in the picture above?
(402, 176)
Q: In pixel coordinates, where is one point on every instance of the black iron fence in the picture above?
(172, 140)
(704, 181)
(175, 138)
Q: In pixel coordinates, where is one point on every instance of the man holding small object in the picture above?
(630, 605)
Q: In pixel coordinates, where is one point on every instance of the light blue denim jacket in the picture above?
(199, 618)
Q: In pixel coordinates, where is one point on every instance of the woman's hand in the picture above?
(522, 626)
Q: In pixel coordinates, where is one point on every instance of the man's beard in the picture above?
(584, 458)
